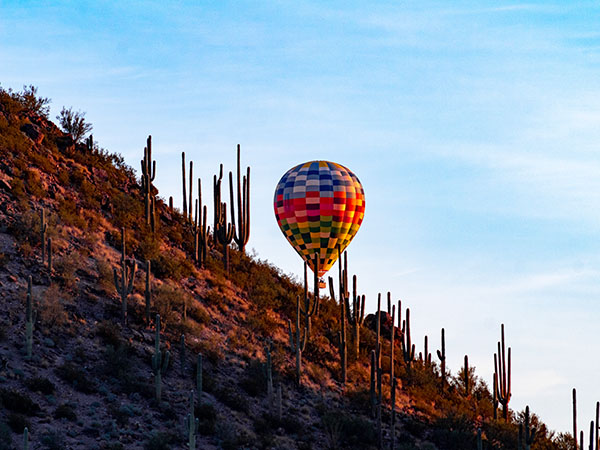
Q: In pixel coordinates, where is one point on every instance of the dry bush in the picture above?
(52, 310)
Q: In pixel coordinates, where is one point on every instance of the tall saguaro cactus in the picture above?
(526, 432)
(160, 362)
(243, 205)
(148, 175)
(30, 316)
(297, 340)
(148, 293)
(503, 391)
(309, 309)
(43, 229)
(343, 300)
(191, 424)
(224, 232)
(408, 348)
(217, 210)
(124, 284)
(442, 356)
(356, 316)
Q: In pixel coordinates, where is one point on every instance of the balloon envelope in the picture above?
(319, 205)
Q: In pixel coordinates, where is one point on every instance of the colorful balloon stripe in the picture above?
(319, 205)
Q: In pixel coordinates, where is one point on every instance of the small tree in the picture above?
(30, 101)
(74, 123)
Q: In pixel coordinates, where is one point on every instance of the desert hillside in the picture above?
(124, 326)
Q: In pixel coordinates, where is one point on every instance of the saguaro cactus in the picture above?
(503, 391)
(148, 293)
(224, 233)
(575, 417)
(310, 309)
(393, 418)
(217, 210)
(148, 175)
(356, 316)
(243, 206)
(298, 344)
(408, 348)
(184, 190)
(124, 284)
(191, 424)
(43, 229)
(442, 356)
(160, 362)
(466, 376)
(526, 432)
(26, 439)
(199, 375)
(343, 300)
(30, 317)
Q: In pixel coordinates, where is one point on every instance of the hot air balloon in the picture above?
(319, 206)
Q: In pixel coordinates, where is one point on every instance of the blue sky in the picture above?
(473, 127)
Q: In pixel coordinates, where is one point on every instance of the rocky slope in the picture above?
(90, 381)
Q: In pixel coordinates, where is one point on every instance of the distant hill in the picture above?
(91, 380)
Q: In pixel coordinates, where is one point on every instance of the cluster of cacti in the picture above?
(148, 175)
(30, 317)
(502, 376)
(425, 357)
(356, 316)
(160, 361)
(124, 280)
(191, 424)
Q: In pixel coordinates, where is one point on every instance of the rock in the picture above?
(33, 132)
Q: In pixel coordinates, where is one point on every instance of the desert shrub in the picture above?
(454, 432)
(262, 322)
(233, 399)
(149, 247)
(65, 411)
(198, 312)
(53, 440)
(159, 441)
(66, 267)
(105, 276)
(69, 213)
(17, 402)
(348, 431)
(254, 378)
(169, 299)
(171, 265)
(127, 210)
(76, 377)
(40, 384)
(52, 310)
(207, 418)
(18, 422)
(34, 183)
(32, 102)
(5, 437)
(109, 333)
